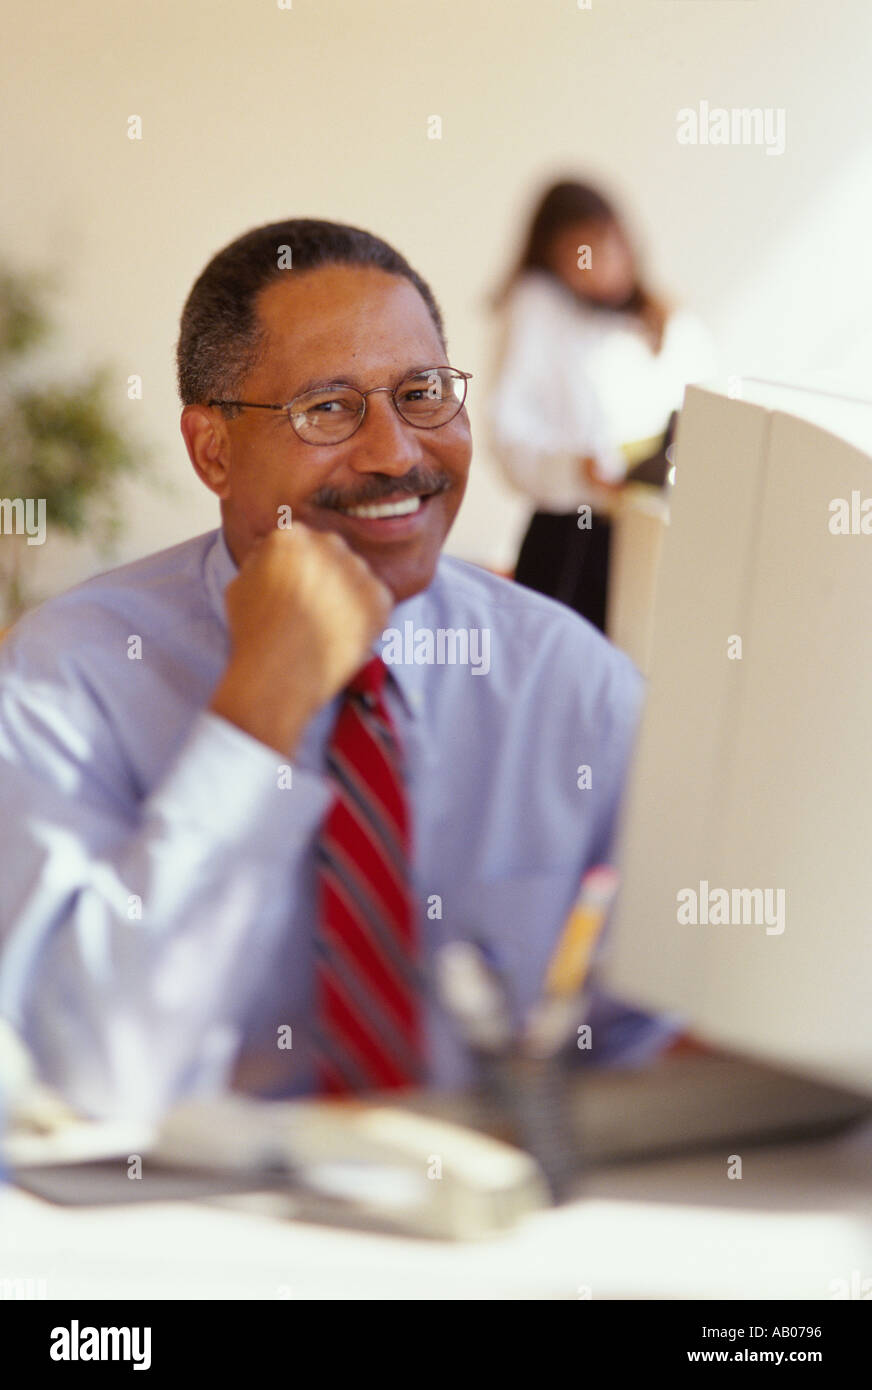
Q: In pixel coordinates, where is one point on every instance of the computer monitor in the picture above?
(746, 839)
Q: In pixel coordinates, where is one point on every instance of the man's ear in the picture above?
(208, 443)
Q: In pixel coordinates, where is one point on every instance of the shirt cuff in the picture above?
(236, 789)
(624, 1036)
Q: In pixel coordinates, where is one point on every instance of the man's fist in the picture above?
(303, 612)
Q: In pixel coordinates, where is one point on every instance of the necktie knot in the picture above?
(369, 680)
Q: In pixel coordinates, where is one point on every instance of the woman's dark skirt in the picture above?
(566, 562)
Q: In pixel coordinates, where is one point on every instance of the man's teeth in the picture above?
(375, 511)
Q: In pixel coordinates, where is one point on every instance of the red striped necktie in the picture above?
(368, 988)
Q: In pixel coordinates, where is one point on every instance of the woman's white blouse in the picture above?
(578, 381)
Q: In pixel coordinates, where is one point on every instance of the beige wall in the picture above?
(251, 113)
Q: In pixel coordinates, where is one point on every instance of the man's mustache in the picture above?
(416, 483)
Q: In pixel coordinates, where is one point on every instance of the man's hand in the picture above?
(303, 612)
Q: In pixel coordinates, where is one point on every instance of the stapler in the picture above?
(426, 1175)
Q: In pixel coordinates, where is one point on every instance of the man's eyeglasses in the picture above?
(330, 414)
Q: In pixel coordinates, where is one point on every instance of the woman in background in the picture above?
(593, 366)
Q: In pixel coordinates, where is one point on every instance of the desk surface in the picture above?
(799, 1219)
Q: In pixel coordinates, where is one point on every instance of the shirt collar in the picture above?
(220, 567)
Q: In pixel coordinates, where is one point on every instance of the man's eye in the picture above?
(423, 390)
(332, 405)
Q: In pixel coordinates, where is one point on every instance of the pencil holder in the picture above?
(530, 1099)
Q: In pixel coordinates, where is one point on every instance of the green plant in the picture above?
(58, 443)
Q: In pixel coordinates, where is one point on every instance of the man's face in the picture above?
(364, 328)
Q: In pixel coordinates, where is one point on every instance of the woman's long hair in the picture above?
(563, 204)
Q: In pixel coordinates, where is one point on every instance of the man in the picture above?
(235, 840)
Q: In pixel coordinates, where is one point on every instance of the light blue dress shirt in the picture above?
(157, 894)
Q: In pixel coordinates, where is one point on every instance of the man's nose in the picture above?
(385, 442)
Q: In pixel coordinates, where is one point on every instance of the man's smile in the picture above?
(397, 516)
(375, 511)
(385, 508)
